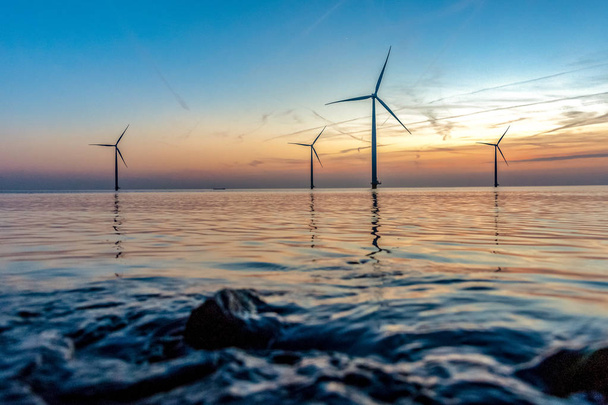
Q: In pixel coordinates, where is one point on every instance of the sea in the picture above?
(406, 296)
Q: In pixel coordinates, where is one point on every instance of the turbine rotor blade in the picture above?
(123, 159)
(100, 144)
(350, 99)
(503, 156)
(485, 143)
(392, 113)
(382, 72)
(313, 149)
(503, 135)
(121, 135)
(301, 144)
(313, 142)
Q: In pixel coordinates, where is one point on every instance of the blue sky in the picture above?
(214, 91)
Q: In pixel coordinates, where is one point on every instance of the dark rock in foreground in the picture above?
(230, 319)
(567, 372)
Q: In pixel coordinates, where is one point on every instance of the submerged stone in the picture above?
(230, 319)
(567, 372)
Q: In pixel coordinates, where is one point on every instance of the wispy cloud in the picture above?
(444, 129)
(519, 83)
(433, 119)
(580, 119)
(263, 121)
(221, 134)
(512, 107)
(564, 157)
(359, 149)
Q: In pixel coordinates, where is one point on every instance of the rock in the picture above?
(567, 372)
(230, 319)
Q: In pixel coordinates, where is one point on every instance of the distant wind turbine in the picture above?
(312, 149)
(496, 147)
(374, 97)
(116, 154)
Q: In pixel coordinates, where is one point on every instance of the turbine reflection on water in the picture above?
(375, 227)
(496, 231)
(117, 226)
(312, 225)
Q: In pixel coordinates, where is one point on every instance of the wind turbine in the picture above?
(374, 97)
(312, 149)
(496, 147)
(116, 154)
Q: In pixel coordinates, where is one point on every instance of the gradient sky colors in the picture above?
(214, 91)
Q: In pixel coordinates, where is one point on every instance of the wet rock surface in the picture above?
(230, 319)
(567, 372)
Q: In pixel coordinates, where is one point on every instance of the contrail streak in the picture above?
(177, 96)
(502, 86)
(323, 17)
(337, 128)
(567, 157)
(145, 56)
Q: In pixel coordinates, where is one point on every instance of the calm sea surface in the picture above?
(401, 295)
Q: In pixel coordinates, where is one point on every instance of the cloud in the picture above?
(263, 121)
(565, 157)
(255, 163)
(528, 81)
(512, 107)
(578, 119)
(417, 160)
(503, 124)
(444, 129)
(352, 150)
(601, 96)
(220, 134)
(359, 149)
(291, 113)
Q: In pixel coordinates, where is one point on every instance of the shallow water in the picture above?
(410, 295)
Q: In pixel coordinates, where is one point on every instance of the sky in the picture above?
(213, 92)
